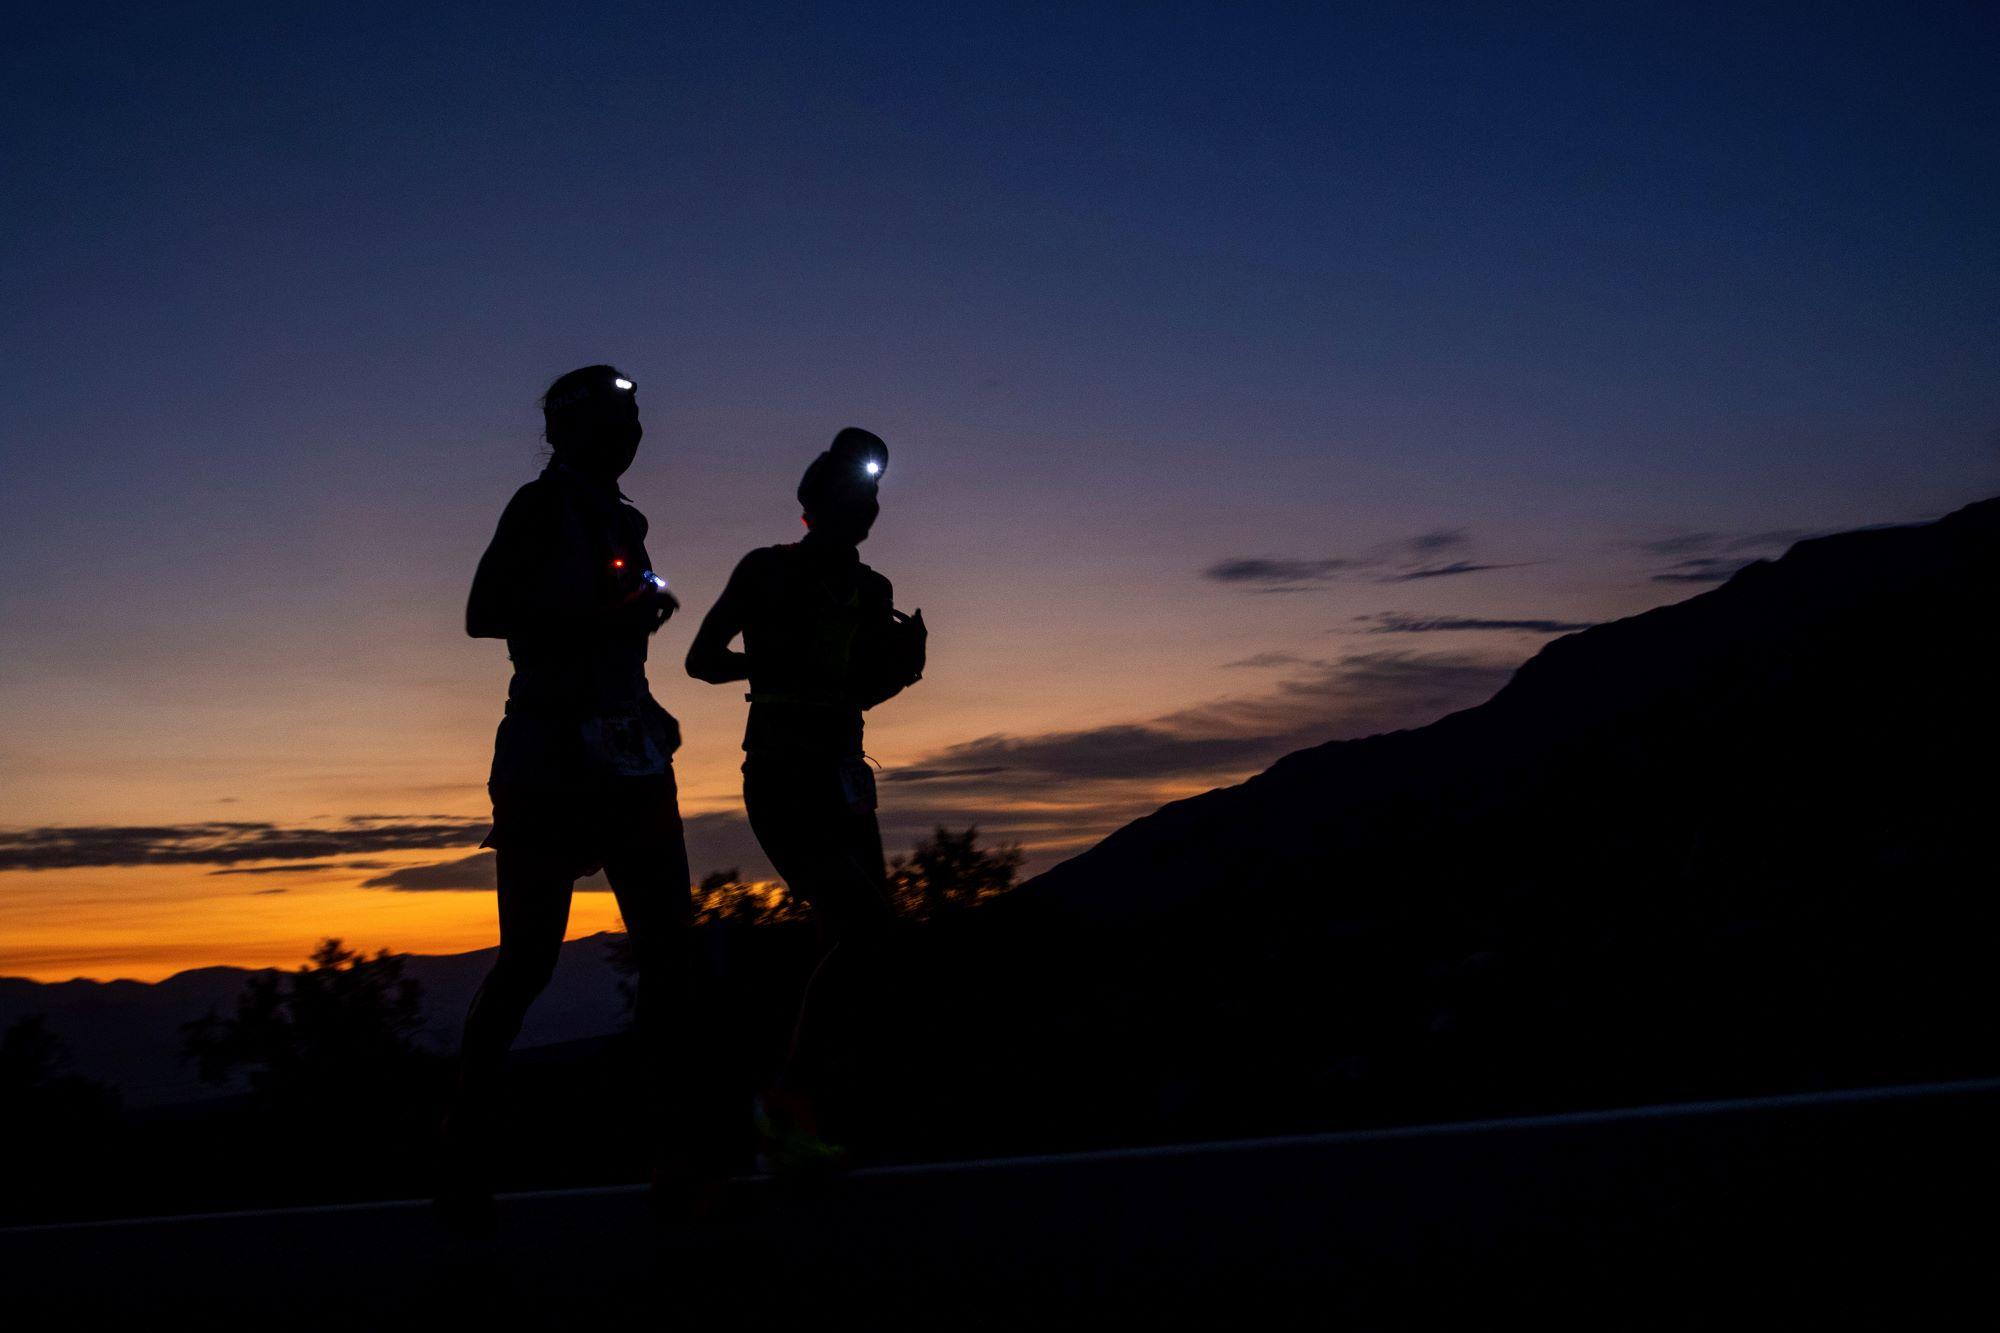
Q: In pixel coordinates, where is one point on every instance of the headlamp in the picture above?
(872, 468)
(622, 383)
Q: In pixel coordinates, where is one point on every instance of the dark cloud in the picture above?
(259, 893)
(1404, 559)
(1680, 543)
(307, 868)
(1775, 539)
(1125, 751)
(937, 774)
(219, 842)
(1438, 539)
(1712, 557)
(1701, 569)
(1273, 660)
(1695, 543)
(1442, 571)
(1359, 696)
(1390, 622)
(1264, 570)
(465, 872)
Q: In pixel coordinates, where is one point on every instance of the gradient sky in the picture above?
(1255, 375)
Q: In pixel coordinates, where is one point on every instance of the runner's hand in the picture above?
(647, 607)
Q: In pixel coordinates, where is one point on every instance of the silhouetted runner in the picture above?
(582, 775)
(822, 642)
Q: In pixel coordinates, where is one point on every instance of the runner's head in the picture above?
(590, 417)
(838, 492)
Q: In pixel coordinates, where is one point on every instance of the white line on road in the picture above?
(1275, 1143)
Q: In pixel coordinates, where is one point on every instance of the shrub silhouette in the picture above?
(725, 898)
(53, 1120)
(949, 872)
(331, 1032)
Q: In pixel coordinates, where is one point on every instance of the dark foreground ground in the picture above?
(1867, 1207)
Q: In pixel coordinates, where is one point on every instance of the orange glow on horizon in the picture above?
(144, 923)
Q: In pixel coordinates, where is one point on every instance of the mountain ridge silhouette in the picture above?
(127, 1033)
(1787, 634)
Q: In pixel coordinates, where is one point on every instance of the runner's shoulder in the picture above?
(761, 565)
(875, 581)
(531, 507)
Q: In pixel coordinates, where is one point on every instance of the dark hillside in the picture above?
(1829, 715)
(1741, 843)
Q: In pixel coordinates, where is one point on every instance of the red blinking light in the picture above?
(617, 563)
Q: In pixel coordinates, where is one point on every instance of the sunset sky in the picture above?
(1254, 376)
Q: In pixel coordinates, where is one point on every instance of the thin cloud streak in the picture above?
(301, 869)
(463, 873)
(1696, 543)
(1263, 569)
(1408, 559)
(306, 869)
(1438, 539)
(1262, 660)
(938, 774)
(1391, 622)
(1451, 570)
(225, 843)
(1714, 557)
(1702, 569)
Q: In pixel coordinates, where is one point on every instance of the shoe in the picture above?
(788, 1140)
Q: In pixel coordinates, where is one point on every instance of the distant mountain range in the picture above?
(127, 1033)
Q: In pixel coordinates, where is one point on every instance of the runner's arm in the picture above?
(710, 657)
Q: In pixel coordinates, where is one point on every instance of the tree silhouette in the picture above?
(949, 872)
(36, 1087)
(60, 1127)
(325, 1034)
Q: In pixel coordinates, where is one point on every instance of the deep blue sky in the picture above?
(1567, 295)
